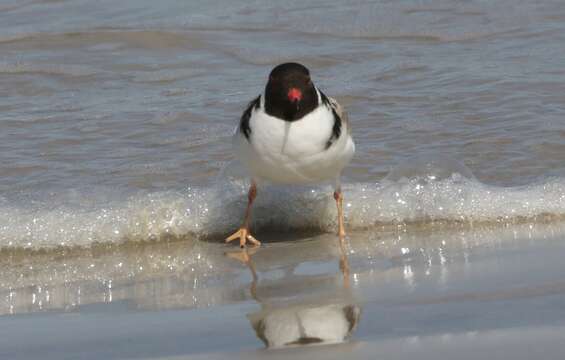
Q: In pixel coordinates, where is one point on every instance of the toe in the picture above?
(253, 240)
(235, 235)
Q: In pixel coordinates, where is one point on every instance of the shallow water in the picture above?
(187, 274)
(110, 109)
(117, 179)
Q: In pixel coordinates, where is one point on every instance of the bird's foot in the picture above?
(244, 236)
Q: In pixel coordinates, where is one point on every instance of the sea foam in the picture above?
(419, 190)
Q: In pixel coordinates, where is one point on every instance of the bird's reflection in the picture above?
(305, 324)
(303, 320)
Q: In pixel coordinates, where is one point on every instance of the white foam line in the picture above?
(216, 210)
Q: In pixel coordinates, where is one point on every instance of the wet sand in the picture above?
(422, 290)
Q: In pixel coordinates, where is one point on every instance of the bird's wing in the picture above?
(340, 118)
(340, 111)
(244, 121)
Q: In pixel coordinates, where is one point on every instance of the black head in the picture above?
(290, 93)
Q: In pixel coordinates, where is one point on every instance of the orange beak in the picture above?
(294, 95)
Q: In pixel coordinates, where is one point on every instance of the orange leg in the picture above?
(338, 196)
(243, 234)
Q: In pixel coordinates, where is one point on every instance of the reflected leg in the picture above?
(344, 262)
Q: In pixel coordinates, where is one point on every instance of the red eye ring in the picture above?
(294, 94)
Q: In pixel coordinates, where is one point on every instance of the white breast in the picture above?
(294, 152)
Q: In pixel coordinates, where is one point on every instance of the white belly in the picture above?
(294, 152)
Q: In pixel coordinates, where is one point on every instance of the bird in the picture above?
(292, 133)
